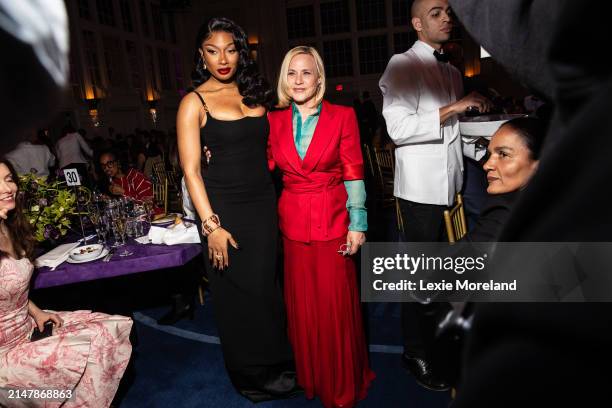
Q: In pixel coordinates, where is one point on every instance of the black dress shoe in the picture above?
(423, 374)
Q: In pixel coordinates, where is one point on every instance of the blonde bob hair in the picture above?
(284, 100)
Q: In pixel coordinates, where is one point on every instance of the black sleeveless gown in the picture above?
(247, 297)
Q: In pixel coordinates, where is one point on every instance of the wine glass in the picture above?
(113, 218)
(96, 220)
(103, 228)
(142, 220)
(121, 226)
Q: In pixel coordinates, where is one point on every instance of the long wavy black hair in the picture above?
(251, 85)
(19, 229)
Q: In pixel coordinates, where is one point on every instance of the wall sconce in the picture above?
(152, 105)
(92, 107)
(253, 48)
(93, 96)
(151, 98)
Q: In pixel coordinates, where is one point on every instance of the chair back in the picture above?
(173, 178)
(385, 172)
(160, 194)
(159, 170)
(367, 152)
(385, 166)
(454, 220)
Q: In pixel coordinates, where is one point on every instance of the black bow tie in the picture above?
(441, 57)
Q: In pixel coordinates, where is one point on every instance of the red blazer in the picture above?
(312, 206)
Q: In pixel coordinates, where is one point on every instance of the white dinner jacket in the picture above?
(428, 157)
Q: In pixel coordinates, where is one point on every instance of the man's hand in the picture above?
(472, 101)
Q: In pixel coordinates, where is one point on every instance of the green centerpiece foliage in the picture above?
(50, 206)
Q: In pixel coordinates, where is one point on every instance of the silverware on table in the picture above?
(109, 255)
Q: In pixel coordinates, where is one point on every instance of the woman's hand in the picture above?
(42, 317)
(354, 239)
(116, 189)
(217, 247)
(207, 153)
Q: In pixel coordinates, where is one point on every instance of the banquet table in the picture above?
(145, 258)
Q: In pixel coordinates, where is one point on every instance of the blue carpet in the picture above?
(182, 366)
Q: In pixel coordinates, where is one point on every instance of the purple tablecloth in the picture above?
(145, 258)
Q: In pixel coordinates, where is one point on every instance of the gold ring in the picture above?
(219, 256)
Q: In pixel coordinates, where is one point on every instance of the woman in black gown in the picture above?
(235, 200)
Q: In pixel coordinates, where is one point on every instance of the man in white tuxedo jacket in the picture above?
(422, 98)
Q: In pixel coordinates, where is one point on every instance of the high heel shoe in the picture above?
(180, 310)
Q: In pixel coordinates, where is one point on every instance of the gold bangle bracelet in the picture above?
(210, 224)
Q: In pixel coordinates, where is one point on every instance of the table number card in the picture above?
(72, 177)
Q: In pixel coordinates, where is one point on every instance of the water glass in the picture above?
(130, 227)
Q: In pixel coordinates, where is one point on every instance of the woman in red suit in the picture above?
(322, 218)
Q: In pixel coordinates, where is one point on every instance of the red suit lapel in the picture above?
(286, 142)
(320, 139)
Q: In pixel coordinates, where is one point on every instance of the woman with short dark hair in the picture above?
(514, 154)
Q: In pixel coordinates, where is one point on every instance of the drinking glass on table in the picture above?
(96, 220)
(148, 207)
(103, 227)
(116, 223)
(130, 227)
(142, 220)
(120, 226)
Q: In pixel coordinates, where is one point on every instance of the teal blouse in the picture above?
(355, 189)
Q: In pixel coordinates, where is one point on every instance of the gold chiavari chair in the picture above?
(454, 220)
(173, 178)
(367, 152)
(159, 169)
(160, 194)
(385, 168)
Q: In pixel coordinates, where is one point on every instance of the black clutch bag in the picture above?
(37, 334)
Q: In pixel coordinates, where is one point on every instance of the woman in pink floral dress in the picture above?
(86, 354)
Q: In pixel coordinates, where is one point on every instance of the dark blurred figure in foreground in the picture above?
(33, 76)
(518, 354)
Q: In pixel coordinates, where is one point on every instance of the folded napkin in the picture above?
(143, 240)
(183, 233)
(56, 256)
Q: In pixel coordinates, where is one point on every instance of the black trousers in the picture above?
(422, 223)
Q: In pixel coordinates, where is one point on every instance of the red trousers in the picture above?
(324, 322)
